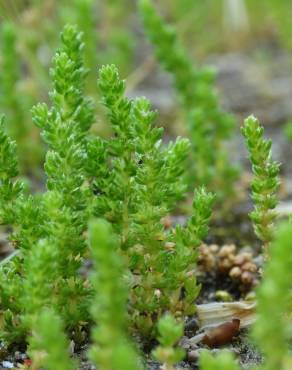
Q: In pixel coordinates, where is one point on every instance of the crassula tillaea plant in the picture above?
(132, 180)
(265, 182)
(170, 332)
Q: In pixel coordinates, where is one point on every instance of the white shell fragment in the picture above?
(216, 313)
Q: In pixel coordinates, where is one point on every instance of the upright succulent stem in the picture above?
(265, 182)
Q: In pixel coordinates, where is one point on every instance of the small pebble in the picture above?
(193, 356)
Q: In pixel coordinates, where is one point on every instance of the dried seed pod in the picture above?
(227, 261)
(247, 278)
(207, 256)
(249, 266)
(235, 272)
(214, 248)
(243, 257)
(225, 265)
(227, 250)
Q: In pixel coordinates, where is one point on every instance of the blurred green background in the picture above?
(29, 34)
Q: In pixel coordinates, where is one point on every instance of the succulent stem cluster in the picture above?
(131, 180)
(105, 201)
(265, 182)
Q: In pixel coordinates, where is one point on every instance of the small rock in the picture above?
(193, 356)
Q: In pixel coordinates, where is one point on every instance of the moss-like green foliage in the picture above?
(11, 207)
(265, 182)
(208, 124)
(272, 328)
(223, 361)
(170, 332)
(143, 186)
(49, 228)
(144, 279)
(41, 268)
(111, 349)
(64, 128)
(66, 124)
(197, 226)
(24, 215)
(27, 42)
(132, 180)
(49, 347)
(147, 177)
